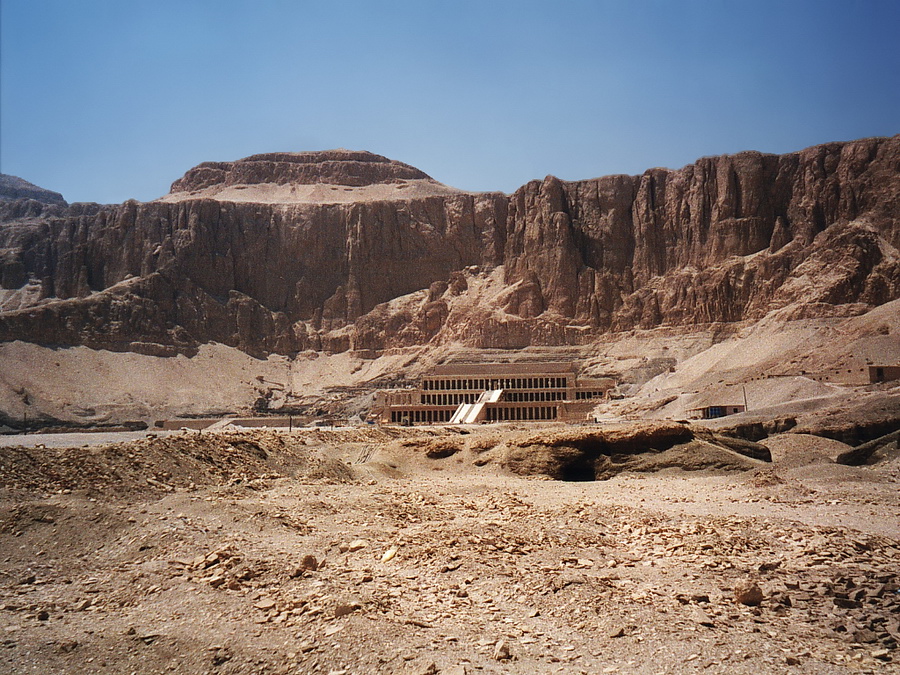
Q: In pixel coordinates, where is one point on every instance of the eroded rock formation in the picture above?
(725, 239)
(13, 187)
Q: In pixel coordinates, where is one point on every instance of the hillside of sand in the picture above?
(806, 370)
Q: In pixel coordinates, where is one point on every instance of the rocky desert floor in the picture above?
(383, 551)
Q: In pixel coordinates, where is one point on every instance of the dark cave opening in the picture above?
(580, 470)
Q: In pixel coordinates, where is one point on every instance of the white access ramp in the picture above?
(470, 413)
(462, 412)
(490, 396)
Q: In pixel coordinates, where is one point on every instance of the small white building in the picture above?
(711, 412)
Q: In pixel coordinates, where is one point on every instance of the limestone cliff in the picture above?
(714, 241)
(348, 250)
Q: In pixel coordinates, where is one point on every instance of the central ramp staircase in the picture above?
(470, 413)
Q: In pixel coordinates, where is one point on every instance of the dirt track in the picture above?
(491, 572)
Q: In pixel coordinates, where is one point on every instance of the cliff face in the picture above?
(724, 239)
(714, 241)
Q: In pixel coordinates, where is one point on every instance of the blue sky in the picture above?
(106, 100)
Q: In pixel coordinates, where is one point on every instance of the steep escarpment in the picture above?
(366, 253)
(261, 277)
(714, 241)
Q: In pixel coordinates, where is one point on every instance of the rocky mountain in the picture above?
(345, 250)
(13, 187)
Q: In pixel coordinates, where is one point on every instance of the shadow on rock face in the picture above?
(600, 454)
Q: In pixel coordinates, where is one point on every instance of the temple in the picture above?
(494, 392)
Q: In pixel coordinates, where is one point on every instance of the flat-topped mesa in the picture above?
(331, 167)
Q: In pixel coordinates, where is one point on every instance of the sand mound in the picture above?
(829, 473)
(817, 459)
(791, 450)
(164, 464)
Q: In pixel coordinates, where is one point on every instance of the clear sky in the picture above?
(106, 100)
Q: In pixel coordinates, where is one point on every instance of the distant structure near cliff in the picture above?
(884, 373)
(494, 392)
(711, 412)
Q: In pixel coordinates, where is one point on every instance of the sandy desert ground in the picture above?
(419, 551)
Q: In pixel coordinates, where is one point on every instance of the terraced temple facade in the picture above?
(494, 392)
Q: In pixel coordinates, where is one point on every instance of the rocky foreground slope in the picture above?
(372, 551)
(345, 250)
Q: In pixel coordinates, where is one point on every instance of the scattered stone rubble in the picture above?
(449, 573)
